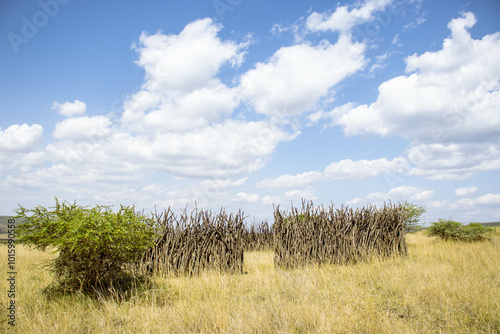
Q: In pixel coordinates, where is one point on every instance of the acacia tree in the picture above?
(412, 214)
(94, 244)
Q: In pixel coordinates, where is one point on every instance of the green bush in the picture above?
(95, 245)
(413, 214)
(476, 232)
(452, 230)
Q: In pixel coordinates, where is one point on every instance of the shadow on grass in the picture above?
(119, 289)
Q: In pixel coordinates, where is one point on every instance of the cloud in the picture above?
(466, 191)
(20, 138)
(457, 51)
(221, 150)
(293, 195)
(355, 201)
(187, 61)
(378, 196)
(410, 193)
(147, 111)
(447, 106)
(333, 114)
(395, 40)
(346, 169)
(222, 184)
(296, 77)
(70, 109)
(290, 181)
(232, 147)
(401, 193)
(344, 18)
(186, 135)
(185, 123)
(471, 208)
(90, 181)
(270, 200)
(379, 65)
(360, 169)
(418, 21)
(181, 90)
(485, 200)
(82, 128)
(299, 194)
(21, 162)
(453, 161)
(244, 197)
(439, 205)
(181, 120)
(452, 95)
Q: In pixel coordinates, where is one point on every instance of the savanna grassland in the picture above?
(440, 287)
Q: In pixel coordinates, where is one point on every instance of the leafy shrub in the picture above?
(452, 230)
(445, 229)
(476, 232)
(95, 244)
(413, 214)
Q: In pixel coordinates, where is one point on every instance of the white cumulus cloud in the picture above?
(20, 138)
(244, 197)
(452, 94)
(401, 193)
(180, 121)
(187, 61)
(344, 18)
(484, 200)
(453, 161)
(447, 106)
(70, 109)
(466, 191)
(82, 128)
(346, 169)
(360, 169)
(296, 77)
(410, 193)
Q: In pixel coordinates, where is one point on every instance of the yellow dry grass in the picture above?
(440, 287)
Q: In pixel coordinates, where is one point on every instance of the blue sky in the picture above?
(246, 104)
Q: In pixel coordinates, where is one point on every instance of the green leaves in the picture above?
(93, 243)
(413, 213)
(452, 230)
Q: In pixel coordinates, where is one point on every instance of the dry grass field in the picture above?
(440, 287)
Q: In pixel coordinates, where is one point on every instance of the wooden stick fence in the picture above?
(343, 235)
(201, 240)
(191, 243)
(259, 237)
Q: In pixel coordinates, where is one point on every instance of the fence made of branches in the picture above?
(337, 235)
(190, 243)
(258, 237)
